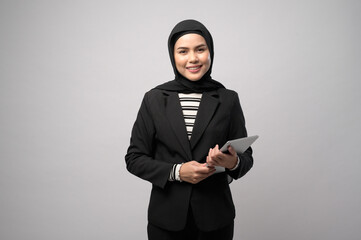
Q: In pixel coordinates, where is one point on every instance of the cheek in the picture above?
(180, 61)
(207, 61)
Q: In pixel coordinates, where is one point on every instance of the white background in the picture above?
(73, 73)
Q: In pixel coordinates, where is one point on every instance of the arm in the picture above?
(237, 129)
(140, 158)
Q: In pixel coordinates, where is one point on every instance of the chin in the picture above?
(193, 78)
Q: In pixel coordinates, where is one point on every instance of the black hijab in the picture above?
(181, 83)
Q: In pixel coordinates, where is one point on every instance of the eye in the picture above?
(182, 51)
(201, 49)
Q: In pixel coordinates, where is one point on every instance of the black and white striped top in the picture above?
(190, 104)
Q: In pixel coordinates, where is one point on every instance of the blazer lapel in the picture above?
(207, 108)
(176, 120)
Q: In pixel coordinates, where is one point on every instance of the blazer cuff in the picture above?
(237, 165)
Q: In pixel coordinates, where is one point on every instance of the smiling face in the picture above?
(191, 56)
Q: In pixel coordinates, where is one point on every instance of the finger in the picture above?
(214, 157)
(211, 172)
(232, 151)
(218, 155)
(214, 161)
(209, 162)
(212, 168)
(205, 170)
(217, 150)
(211, 152)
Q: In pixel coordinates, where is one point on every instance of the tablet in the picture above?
(240, 145)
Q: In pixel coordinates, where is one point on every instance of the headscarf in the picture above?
(181, 83)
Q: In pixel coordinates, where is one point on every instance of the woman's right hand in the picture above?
(194, 172)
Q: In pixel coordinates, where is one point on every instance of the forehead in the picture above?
(190, 40)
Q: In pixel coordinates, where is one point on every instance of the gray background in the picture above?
(73, 74)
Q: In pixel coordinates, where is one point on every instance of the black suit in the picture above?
(159, 140)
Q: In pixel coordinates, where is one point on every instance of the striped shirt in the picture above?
(190, 104)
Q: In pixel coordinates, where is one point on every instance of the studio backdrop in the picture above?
(72, 76)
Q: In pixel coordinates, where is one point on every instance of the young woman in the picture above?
(175, 139)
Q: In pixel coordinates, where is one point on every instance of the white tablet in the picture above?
(240, 145)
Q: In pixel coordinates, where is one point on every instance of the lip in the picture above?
(194, 69)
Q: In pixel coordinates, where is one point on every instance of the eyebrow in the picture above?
(200, 45)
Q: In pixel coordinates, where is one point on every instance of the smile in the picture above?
(194, 69)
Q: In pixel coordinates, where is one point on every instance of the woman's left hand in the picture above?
(217, 158)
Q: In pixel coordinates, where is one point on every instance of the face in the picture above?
(191, 56)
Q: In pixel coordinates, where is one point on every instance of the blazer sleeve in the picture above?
(140, 155)
(238, 130)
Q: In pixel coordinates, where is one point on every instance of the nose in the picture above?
(193, 57)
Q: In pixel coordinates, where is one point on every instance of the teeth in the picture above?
(193, 68)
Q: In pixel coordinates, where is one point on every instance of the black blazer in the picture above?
(159, 140)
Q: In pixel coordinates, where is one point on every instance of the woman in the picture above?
(174, 144)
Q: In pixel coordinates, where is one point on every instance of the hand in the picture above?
(217, 158)
(194, 172)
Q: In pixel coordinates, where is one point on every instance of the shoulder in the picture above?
(155, 94)
(225, 93)
(154, 97)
